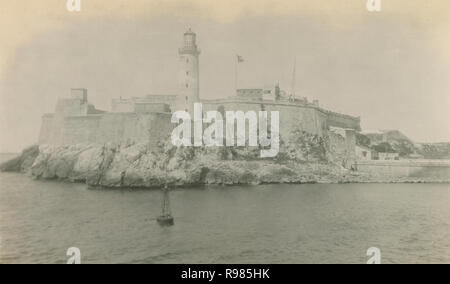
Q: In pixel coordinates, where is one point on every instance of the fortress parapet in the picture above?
(158, 103)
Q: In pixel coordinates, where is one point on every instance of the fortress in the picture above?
(148, 119)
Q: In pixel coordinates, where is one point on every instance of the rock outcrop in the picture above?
(23, 162)
(304, 158)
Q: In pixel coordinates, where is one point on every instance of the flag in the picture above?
(240, 59)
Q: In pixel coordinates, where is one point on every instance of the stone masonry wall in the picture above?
(291, 116)
(109, 127)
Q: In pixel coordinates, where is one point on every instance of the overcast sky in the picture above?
(392, 68)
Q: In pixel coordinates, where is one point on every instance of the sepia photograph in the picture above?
(238, 133)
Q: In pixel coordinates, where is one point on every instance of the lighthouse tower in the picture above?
(189, 74)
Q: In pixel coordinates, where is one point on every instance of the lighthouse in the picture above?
(189, 74)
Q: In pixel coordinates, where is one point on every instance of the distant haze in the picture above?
(392, 68)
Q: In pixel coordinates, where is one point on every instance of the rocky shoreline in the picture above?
(140, 166)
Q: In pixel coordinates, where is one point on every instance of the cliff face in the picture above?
(305, 158)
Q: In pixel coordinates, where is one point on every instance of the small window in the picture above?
(187, 85)
(187, 60)
(187, 98)
(187, 73)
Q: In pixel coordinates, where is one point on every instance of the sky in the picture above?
(391, 68)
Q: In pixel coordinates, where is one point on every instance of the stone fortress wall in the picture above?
(74, 122)
(307, 117)
(148, 119)
(110, 127)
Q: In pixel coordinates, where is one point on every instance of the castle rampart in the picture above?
(148, 119)
(103, 128)
(306, 117)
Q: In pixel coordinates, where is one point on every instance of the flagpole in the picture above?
(293, 78)
(235, 73)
